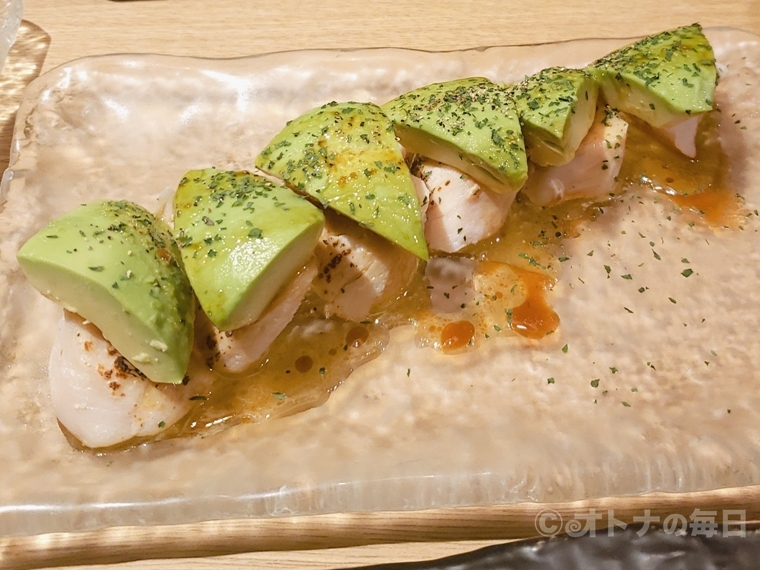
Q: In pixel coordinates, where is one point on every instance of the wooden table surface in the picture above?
(229, 28)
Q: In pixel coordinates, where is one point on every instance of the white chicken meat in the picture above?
(683, 135)
(235, 351)
(101, 399)
(460, 212)
(358, 270)
(591, 173)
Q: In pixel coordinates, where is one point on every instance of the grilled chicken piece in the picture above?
(235, 351)
(460, 212)
(101, 399)
(359, 271)
(593, 171)
(683, 135)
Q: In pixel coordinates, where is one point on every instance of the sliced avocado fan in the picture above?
(556, 108)
(117, 266)
(345, 155)
(662, 78)
(242, 238)
(470, 124)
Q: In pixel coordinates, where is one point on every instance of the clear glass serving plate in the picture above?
(676, 408)
(10, 20)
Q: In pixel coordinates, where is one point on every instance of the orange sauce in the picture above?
(457, 335)
(719, 207)
(534, 318)
(304, 365)
(698, 187)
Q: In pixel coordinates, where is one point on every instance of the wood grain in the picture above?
(290, 535)
(231, 29)
(227, 28)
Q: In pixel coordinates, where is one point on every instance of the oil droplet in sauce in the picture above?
(357, 336)
(534, 318)
(304, 364)
(457, 335)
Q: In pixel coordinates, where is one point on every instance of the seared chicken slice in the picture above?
(592, 172)
(359, 270)
(460, 212)
(101, 399)
(235, 351)
(683, 135)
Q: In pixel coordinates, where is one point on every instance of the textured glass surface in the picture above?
(413, 429)
(10, 18)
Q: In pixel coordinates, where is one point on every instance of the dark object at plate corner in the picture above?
(694, 548)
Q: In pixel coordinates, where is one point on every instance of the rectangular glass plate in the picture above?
(413, 429)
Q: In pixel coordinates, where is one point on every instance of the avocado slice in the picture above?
(662, 78)
(242, 238)
(470, 124)
(117, 266)
(556, 108)
(346, 156)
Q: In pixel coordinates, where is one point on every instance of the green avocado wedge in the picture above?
(242, 238)
(471, 124)
(117, 266)
(556, 107)
(345, 155)
(660, 79)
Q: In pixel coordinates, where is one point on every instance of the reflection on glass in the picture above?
(23, 64)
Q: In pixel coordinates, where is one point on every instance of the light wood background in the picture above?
(229, 28)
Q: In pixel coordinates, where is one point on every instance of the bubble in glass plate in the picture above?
(10, 20)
